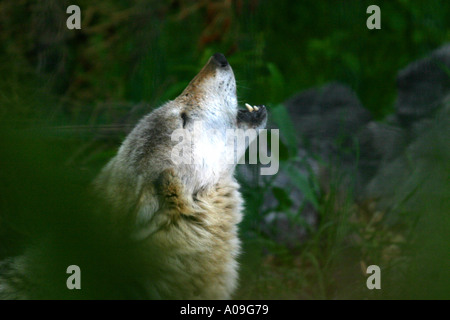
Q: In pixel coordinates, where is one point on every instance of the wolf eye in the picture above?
(184, 117)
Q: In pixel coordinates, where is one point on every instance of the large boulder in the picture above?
(327, 118)
(383, 160)
(422, 118)
(423, 166)
(422, 86)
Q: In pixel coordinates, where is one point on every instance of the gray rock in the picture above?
(422, 167)
(291, 225)
(378, 142)
(327, 118)
(384, 160)
(332, 124)
(422, 119)
(422, 86)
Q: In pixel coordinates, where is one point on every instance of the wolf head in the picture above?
(198, 120)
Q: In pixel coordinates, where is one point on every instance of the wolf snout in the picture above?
(220, 60)
(254, 116)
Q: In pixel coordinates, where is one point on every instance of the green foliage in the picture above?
(148, 50)
(280, 116)
(86, 81)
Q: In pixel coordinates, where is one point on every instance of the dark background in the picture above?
(69, 97)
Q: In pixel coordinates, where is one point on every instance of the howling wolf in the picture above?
(169, 228)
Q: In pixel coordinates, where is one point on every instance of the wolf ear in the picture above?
(171, 194)
(161, 204)
(146, 219)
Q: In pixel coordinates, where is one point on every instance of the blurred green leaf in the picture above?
(302, 183)
(281, 117)
(276, 82)
(282, 196)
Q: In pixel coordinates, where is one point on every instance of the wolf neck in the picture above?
(205, 177)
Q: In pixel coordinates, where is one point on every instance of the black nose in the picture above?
(220, 60)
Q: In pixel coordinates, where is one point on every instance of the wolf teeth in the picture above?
(249, 107)
(256, 108)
